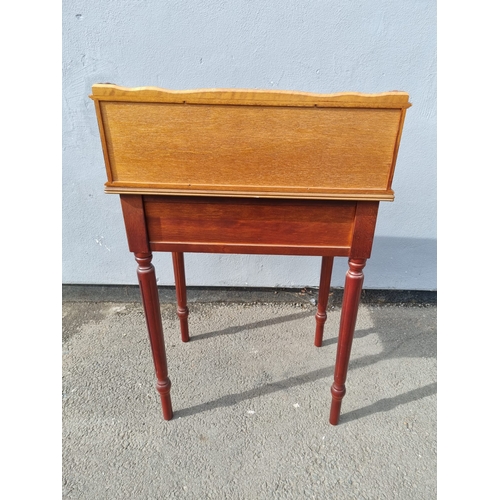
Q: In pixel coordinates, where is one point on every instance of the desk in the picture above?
(254, 172)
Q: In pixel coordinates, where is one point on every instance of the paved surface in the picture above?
(251, 401)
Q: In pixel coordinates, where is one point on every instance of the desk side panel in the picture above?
(265, 226)
(291, 151)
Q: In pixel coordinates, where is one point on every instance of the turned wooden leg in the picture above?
(151, 302)
(180, 291)
(350, 303)
(324, 292)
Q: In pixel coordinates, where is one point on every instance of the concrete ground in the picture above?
(251, 398)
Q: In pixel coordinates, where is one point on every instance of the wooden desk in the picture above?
(245, 171)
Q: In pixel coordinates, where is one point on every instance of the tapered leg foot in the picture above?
(324, 291)
(350, 304)
(151, 303)
(180, 291)
(166, 402)
(337, 395)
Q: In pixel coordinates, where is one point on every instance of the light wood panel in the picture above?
(250, 143)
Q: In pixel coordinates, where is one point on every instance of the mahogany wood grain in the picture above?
(364, 229)
(348, 316)
(180, 291)
(250, 249)
(289, 227)
(135, 222)
(151, 303)
(323, 294)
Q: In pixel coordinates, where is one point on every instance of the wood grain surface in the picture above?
(226, 225)
(250, 143)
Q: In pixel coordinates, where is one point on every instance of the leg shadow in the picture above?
(387, 404)
(258, 324)
(280, 385)
(399, 340)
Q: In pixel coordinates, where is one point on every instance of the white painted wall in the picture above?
(314, 46)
